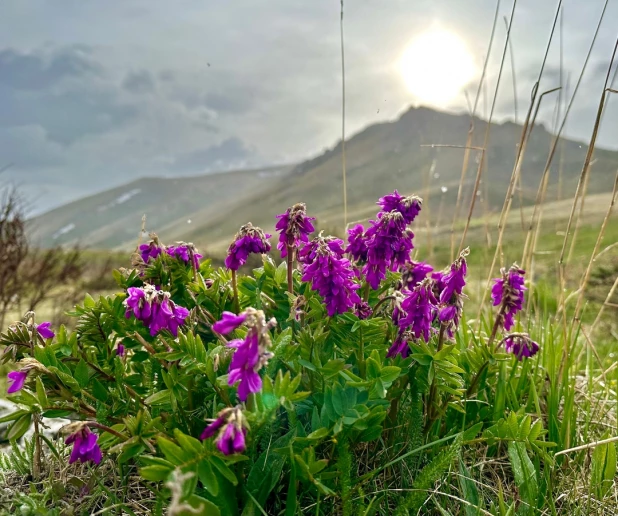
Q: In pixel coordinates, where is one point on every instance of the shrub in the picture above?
(340, 381)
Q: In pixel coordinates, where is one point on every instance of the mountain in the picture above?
(406, 154)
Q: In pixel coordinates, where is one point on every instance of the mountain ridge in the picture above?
(404, 153)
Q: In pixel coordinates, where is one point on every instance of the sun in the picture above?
(436, 66)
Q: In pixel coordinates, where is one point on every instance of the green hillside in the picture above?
(380, 158)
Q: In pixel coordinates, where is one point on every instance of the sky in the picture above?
(94, 94)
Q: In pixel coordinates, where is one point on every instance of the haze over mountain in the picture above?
(209, 209)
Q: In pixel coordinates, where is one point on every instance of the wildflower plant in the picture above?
(241, 381)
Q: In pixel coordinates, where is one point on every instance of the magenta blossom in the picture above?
(294, 228)
(409, 207)
(399, 347)
(357, 245)
(520, 345)
(45, 331)
(120, 350)
(155, 309)
(330, 274)
(85, 446)
(249, 239)
(150, 250)
(508, 293)
(451, 296)
(228, 323)
(231, 430)
(389, 244)
(412, 273)
(251, 353)
(17, 379)
(183, 252)
(419, 310)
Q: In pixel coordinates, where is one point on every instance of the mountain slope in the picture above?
(382, 157)
(114, 217)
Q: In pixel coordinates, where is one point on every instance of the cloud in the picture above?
(230, 153)
(139, 82)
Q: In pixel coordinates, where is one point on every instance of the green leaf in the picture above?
(13, 415)
(469, 491)
(159, 398)
(201, 507)
(20, 427)
(155, 473)
(320, 433)
(603, 468)
(224, 470)
(41, 393)
(208, 478)
(389, 374)
(174, 453)
(373, 368)
(281, 273)
(188, 443)
(81, 373)
(525, 476)
(99, 391)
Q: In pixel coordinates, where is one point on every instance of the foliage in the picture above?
(337, 427)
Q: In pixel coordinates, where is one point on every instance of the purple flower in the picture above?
(120, 350)
(508, 292)
(521, 345)
(228, 323)
(155, 309)
(45, 331)
(85, 446)
(455, 280)
(419, 310)
(294, 228)
(150, 250)
(451, 295)
(215, 426)
(409, 207)
(363, 310)
(18, 379)
(389, 244)
(183, 252)
(231, 431)
(251, 353)
(244, 366)
(249, 239)
(399, 347)
(357, 246)
(330, 274)
(413, 273)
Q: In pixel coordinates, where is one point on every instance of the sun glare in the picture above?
(436, 66)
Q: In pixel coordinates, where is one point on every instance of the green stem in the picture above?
(235, 289)
(431, 414)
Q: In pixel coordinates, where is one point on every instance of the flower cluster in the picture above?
(294, 228)
(409, 207)
(155, 309)
(85, 446)
(520, 345)
(231, 430)
(389, 244)
(249, 239)
(412, 273)
(357, 246)
(451, 296)
(150, 250)
(330, 274)
(184, 252)
(418, 310)
(252, 353)
(508, 293)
